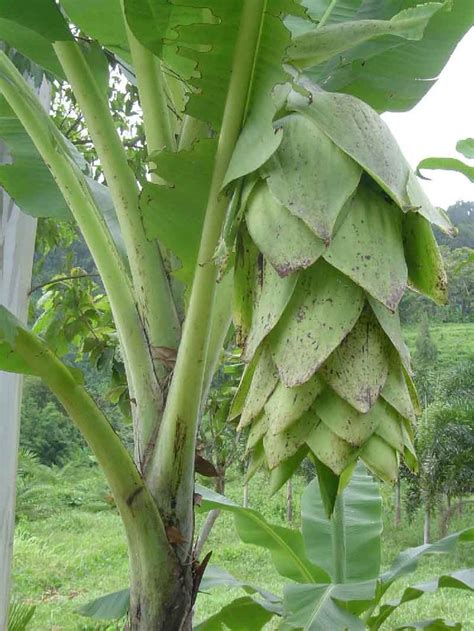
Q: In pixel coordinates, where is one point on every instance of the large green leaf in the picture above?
(359, 131)
(42, 16)
(102, 21)
(310, 175)
(285, 545)
(448, 164)
(362, 527)
(368, 247)
(334, 11)
(317, 607)
(393, 74)
(357, 369)
(320, 44)
(215, 576)
(109, 607)
(31, 44)
(38, 49)
(461, 579)
(197, 43)
(174, 213)
(324, 308)
(284, 239)
(41, 197)
(239, 615)
(44, 199)
(407, 561)
(466, 147)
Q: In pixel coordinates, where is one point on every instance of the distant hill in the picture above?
(462, 216)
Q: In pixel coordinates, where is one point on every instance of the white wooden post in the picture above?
(17, 243)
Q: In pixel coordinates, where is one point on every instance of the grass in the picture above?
(76, 554)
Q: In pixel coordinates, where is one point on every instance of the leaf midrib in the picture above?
(310, 578)
(322, 601)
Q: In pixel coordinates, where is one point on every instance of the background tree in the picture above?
(426, 352)
(444, 442)
(462, 216)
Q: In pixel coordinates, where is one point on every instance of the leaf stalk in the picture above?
(151, 84)
(156, 306)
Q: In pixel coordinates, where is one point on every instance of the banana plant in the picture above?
(266, 165)
(334, 565)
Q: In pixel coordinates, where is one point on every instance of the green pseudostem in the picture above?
(172, 468)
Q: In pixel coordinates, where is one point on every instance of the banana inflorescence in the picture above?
(336, 228)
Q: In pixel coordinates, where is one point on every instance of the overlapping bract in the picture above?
(332, 238)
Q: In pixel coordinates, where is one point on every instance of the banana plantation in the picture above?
(238, 230)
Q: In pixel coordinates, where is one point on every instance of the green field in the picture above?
(71, 548)
(455, 342)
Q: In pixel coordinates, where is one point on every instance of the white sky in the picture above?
(444, 116)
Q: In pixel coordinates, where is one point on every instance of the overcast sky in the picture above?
(443, 117)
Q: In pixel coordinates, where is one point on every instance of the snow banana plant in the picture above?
(272, 179)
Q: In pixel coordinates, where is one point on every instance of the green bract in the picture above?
(334, 233)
